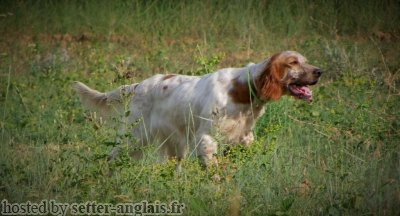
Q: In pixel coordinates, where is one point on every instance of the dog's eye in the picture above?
(293, 62)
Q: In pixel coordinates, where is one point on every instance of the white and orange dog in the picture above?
(183, 112)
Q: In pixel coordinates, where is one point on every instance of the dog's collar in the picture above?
(253, 90)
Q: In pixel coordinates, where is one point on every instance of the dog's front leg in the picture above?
(246, 139)
(206, 149)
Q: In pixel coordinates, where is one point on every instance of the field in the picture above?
(339, 155)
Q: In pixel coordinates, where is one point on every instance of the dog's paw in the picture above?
(246, 140)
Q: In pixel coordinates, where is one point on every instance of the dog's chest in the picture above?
(235, 125)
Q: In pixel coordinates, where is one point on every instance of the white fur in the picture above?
(185, 112)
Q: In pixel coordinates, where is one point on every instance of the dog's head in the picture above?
(287, 73)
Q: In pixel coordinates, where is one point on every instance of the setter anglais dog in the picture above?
(185, 112)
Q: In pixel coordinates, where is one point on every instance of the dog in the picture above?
(185, 112)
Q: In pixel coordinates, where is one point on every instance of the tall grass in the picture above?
(337, 155)
(220, 19)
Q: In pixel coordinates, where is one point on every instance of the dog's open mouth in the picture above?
(301, 92)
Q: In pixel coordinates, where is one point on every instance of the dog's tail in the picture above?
(108, 103)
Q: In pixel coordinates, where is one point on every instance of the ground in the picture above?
(337, 155)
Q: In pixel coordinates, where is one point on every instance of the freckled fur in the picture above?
(184, 111)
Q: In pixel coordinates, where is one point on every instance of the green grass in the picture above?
(338, 155)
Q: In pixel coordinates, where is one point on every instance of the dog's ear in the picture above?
(269, 83)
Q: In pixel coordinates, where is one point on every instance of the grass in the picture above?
(338, 155)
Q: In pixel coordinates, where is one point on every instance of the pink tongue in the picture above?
(305, 90)
(302, 92)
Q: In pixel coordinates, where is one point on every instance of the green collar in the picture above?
(253, 93)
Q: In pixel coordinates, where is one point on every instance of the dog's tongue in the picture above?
(302, 92)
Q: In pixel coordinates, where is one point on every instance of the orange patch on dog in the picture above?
(240, 92)
(168, 76)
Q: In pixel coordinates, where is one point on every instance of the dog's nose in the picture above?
(317, 72)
